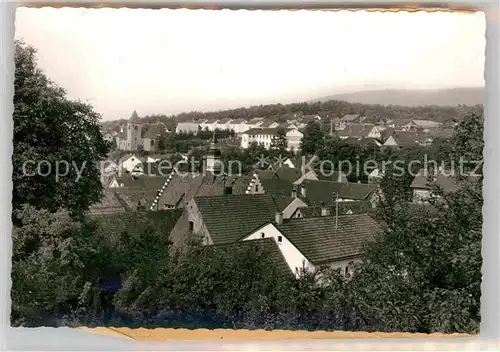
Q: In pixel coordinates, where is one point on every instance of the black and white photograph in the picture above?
(236, 169)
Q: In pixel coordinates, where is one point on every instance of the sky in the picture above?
(171, 61)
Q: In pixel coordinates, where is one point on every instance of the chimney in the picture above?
(303, 190)
(294, 192)
(279, 218)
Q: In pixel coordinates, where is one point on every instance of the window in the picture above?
(191, 226)
(262, 235)
(256, 188)
(280, 239)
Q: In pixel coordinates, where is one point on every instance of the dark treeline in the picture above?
(329, 109)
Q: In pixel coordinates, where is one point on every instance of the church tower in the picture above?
(213, 159)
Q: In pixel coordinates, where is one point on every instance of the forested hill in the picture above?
(443, 97)
(328, 109)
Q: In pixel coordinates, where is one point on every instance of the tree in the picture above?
(312, 142)
(279, 142)
(423, 273)
(57, 142)
(56, 264)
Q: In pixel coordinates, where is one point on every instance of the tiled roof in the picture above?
(407, 138)
(282, 201)
(427, 123)
(350, 117)
(401, 122)
(262, 131)
(320, 192)
(332, 176)
(355, 207)
(323, 192)
(266, 246)
(152, 131)
(112, 225)
(446, 183)
(289, 174)
(357, 130)
(146, 182)
(230, 217)
(357, 191)
(266, 124)
(108, 204)
(241, 184)
(181, 187)
(131, 198)
(277, 186)
(317, 239)
(389, 131)
(223, 121)
(237, 121)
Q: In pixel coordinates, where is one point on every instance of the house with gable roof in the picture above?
(315, 242)
(226, 218)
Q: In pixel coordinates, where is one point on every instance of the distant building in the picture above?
(134, 135)
(187, 127)
(264, 137)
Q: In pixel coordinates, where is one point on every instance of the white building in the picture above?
(334, 242)
(293, 138)
(261, 136)
(187, 127)
(131, 164)
(264, 137)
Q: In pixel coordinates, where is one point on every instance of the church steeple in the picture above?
(213, 156)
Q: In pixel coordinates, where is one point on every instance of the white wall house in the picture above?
(187, 127)
(261, 136)
(294, 137)
(131, 164)
(390, 142)
(238, 126)
(296, 249)
(294, 258)
(375, 132)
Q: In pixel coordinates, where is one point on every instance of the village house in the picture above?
(309, 118)
(264, 137)
(227, 218)
(208, 125)
(269, 124)
(131, 164)
(187, 127)
(424, 182)
(401, 139)
(339, 208)
(351, 119)
(311, 243)
(317, 192)
(254, 122)
(238, 126)
(359, 131)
